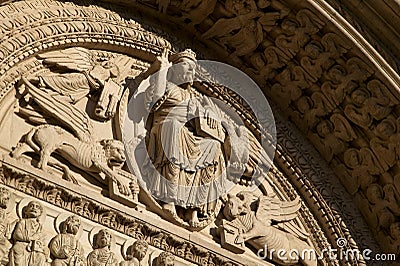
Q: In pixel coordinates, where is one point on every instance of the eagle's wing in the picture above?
(78, 59)
(67, 114)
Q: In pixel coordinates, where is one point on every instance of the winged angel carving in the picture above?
(64, 128)
(267, 223)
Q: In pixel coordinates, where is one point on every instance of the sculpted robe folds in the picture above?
(188, 168)
(28, 248)
(67, 251)
(102, 257)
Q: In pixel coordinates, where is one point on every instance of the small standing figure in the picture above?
(165, 259)
(135, 254)
(65, 247)
(102, 254)
(29, 247)
(5, 227)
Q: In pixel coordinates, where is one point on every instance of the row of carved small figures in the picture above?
(24, 240)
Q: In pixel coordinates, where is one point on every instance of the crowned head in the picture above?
(187, 54)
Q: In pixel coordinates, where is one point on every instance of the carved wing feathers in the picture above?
(294, 229)
(277, 210)
(70, 116)
(222, 27)
(78, 59)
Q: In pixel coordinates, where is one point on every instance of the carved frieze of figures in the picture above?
(395, 237)
(296, 32)
(102, 254)
(385, 144)
(29, 245)
(361, 168)
(342, 80)
(332, 136)
(310, 110)
(6, 203)
(135, 253)
(265, 64)
(316, 60)
(196, 11)
(380, 206)
(254, 220)
(370, 104)
(290, 85)
(65, 248)
(248, 24)
(320, 56)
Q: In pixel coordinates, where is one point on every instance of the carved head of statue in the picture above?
(337, 73)
(71, 225)
(352, 158)
(304, 104)
(114, 152)
(324, 128)
(183, 70)
(138, 250)
(235, 206)
(374, 193)
(313, 49)
(102, 239)
(104, 71)
(359, 96)
(395, 230)
(5, 196)
(32, 210)
(386, 128)
(165, 259)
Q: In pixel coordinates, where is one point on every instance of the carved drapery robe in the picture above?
(28, 248)
(5, 232)
(102, 257)
(67, 251)
(188, 168)
(75, 86)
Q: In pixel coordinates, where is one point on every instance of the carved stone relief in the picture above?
(135, 253)
(102, 254)
(322, 83)
(29, 244)
(351, 100)
(6, 204)
(65, 248)
(251, 220)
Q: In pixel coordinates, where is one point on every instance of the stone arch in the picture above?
(299, 169)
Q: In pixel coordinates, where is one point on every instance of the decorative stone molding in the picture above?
(309, 54)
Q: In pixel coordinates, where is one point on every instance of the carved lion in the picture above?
(94, 157)
(265, 224)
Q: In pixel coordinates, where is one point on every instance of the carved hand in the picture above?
(162, 60)
(134, 187)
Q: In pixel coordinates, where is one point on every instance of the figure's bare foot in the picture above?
(194, 220)
(169, 208)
